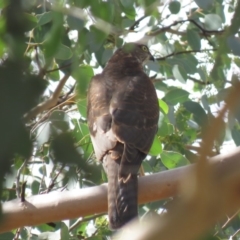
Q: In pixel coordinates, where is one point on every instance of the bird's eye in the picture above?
(144, 48)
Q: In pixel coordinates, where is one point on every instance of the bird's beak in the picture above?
(151, 58)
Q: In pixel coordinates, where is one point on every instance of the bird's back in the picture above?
(122, 117)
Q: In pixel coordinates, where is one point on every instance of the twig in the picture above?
(16, 236)
(154, 80)
(235, 234)
(86, 219)
(136, 23)
(37, 59)
(180, 33)
(22, 195)
(51, 185)
(66, 96)
(168, 29)
(184, 52)
(198, 81)
(18, 192)
(164, 29)
(230, 218)
(51, 110)
(204, 31)
(49, 103)
(59, 68)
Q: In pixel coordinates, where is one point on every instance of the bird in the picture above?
(122, 116)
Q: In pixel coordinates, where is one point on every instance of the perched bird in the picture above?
(122, 114)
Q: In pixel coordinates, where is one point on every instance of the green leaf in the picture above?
(173, 159)
(59, 122)
(165, 129)
(204, 4)
(156, 147)
(54, 75)
(175, 96)
(2, 48)
(44, 18)
(64, 231)
(236, 136)
(82, 137)
(63, 149)
(53, 37)
(199, 115)
(3, 3)
(212, 22)
(31, 21)
(127, 3)
(188, 64)
(83, 36)
(234, 44)
(174, 7)
(83, 76)
(75, 23)
(203, 74)
(179, 73)
(147, 167)
(35, 187)
(63, 52)
(103, 10)
(8, 235)
(148, 3)
(82, 107)
(163, 106)
(193, 39)
(129, 9)
(95, 38)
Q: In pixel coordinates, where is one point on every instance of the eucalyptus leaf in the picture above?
(172, 159)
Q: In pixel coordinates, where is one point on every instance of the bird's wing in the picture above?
(135, 113)
(134, 110)
(99, 118)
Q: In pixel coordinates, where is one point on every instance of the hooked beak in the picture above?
(151, 58)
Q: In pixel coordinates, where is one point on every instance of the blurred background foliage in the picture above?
(49, 50)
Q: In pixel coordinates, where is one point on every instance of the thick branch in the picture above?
(57, 206)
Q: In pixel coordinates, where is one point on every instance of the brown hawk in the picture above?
(122, 115)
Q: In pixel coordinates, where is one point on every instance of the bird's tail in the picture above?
(122, 195)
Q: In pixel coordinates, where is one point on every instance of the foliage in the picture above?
(44, 43)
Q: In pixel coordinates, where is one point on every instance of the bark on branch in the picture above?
(57, 206)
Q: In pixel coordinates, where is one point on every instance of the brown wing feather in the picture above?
(135, 113)
(99, 118)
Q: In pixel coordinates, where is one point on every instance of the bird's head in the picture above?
(140, 51)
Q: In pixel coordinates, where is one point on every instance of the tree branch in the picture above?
(57, 206)
(49, 103)
(168, 28)
(135, 24)
(185, 52)
(198, 81)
